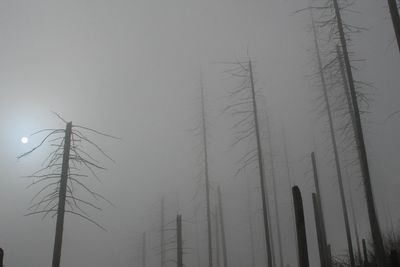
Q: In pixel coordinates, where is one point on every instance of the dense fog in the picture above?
(172, 81)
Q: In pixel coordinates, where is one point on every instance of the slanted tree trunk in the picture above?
(272, 242)
(318, 225)
(394, 13)
(62, 196)
(352, 119)
(300, 227)
(261, 170)
(250, 221)
(324, 239)
(335, 150)
(365, 252)
(373, 217)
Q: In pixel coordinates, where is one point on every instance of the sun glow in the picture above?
(24, 140)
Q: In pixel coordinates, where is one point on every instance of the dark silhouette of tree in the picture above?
(373, 217)
(394, 13)
(1, 257)
(63, 177)
(300, 227)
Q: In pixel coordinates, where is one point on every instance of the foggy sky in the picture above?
(132, 69)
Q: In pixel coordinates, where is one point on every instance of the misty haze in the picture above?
(212, 133)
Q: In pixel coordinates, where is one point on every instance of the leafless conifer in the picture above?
(63, 175)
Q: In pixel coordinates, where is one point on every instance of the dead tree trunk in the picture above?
(394, 258)
(290, 184)
(300, 227)
(318, 225)
(278, 224)
(222, 224)
(324, 239)
(1, 257)
(217, 242)
(62, 197)
(373, 218)
(353, 213)
(365, 252)
(394, 13)
(162, 235)
(261, 170)
(206, 177)
(335, 150)
(144, 249)
(197, 239)
(270, 230)
(179, 259)
(351, 113)
(330, 255)
(250, 221)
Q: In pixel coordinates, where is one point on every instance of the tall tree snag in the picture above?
(373, 218)
(318, 225)
(278, 224)
(261, 167)
(334, 146)
(206, 176)
(319, 212)
(62, 174)
(290, 184)
(62, 197)
(247, 127)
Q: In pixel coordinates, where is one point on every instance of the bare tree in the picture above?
(334, 145)
(318, 210)
(273, 178)
(289, 184)
(339, 31)
(373, 217)
(244, 108)
(206, 174)
(63, 174)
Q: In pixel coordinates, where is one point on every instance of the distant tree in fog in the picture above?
(244, 109)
